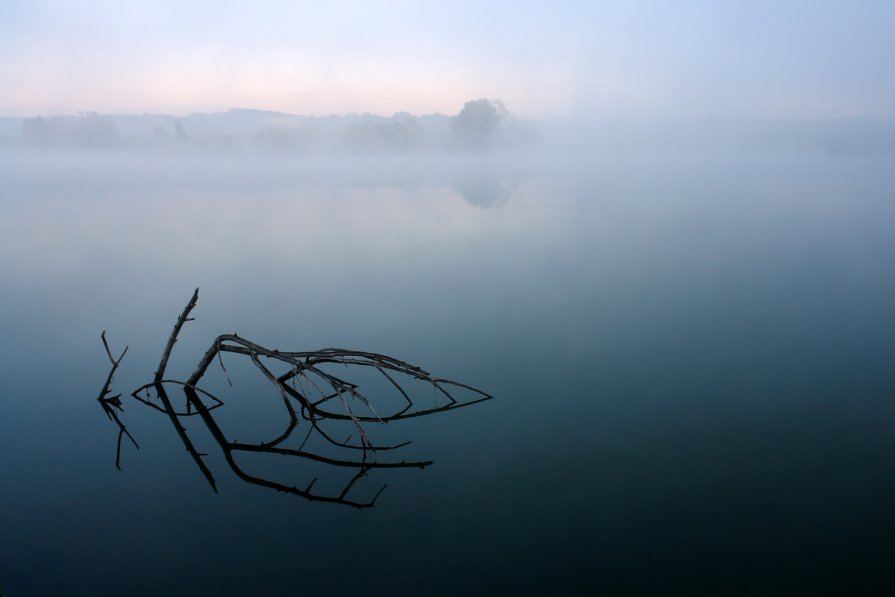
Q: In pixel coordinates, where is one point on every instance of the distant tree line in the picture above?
(481, 124)
(89, 130)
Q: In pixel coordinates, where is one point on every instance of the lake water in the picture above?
(692, 358)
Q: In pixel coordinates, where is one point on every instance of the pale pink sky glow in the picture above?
(687, 59)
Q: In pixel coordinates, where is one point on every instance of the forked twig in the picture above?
(112, 404)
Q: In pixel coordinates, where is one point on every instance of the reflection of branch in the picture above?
(181, 431)
(309, 393)
(111, 403)
(229, 447)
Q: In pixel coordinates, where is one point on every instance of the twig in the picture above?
(111, 404)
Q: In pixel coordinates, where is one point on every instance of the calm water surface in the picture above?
(692, 358)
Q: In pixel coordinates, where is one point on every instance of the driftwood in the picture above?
(308, 392)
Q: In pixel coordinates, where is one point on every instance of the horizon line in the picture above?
(566, 118)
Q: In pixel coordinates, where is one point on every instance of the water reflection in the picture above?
(311, 392)
(482, 191)
(676, 336)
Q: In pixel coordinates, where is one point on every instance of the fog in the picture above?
(658, 233)
(481, 127)
(404, 79)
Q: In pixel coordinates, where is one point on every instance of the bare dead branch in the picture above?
(334, 405)
(184, 317)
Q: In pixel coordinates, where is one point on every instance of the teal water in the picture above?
(691, 358)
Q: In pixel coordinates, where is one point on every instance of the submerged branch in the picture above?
(304, 371)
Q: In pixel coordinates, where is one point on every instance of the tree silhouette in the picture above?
(479, 123)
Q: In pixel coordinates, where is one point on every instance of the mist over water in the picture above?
(690, 353)
(481, 127)
(658, 234)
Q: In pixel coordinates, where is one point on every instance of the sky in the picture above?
(682, 59)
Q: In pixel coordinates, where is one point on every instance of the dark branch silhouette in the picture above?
(309, 393)
(110, 404)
